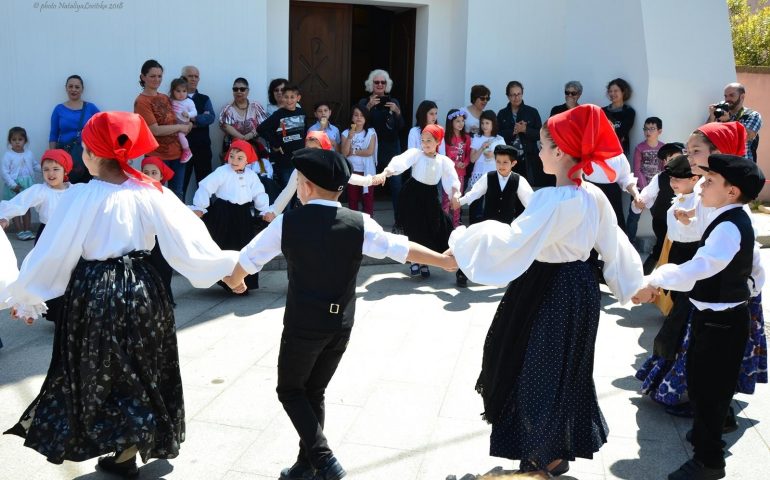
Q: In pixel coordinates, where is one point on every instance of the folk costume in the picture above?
(537, 370)
(8, 271)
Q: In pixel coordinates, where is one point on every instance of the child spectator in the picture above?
(458, 149)
(156, 169)
(323, 111)
(320, 304)
(359, 144)
(718, 279)
(231, 220)
(419, 211)
(18, 170)
(646, 165)
(184, 109)
(483, 156)
(426, 114)
(285, 131)
(657, 196)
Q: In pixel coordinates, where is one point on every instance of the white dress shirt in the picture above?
(649, 193)
(561, 224)
(291, 188)
(101, 220)
(234, 187)
(524, 192)
(425, 169)
(39, 196)
(377, 242)
(692, 232)
(710, 259)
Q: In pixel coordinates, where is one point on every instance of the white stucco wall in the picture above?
(657, 45)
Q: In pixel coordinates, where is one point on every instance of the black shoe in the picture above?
(560, 469)
(298, 471)
(694, 470)
(331, 471)
(424, 271)
(688, 436)
(683, 410)
(462, 280)
(127, 469)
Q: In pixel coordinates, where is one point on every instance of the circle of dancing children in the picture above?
(359, 144)
(458, 149)
(185, 112)
(113, 384)
(320, 302)
(56, 164)
(419, 214)
(18, 169)
(720, 346)
(156, 169)
(231, 219)
(536, 379)
(483, 157)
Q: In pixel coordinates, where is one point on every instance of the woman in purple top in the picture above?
(67, 121)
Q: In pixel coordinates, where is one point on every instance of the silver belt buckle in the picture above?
(334, 308)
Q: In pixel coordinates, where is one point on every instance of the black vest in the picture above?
(322, 246)
(665, 195)
(504, 205)
(731, 284)
(199, 136)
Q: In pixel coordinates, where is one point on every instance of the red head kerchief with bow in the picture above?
(728, 137)
(121, 136)
(166, 173)
(436, 131)
(586, 134)
(322, 138)
(61, 157)
(245, 147)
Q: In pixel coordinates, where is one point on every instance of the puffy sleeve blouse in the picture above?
(425, 169)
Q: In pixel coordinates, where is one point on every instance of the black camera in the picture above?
(720, 109)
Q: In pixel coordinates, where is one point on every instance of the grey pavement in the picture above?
(402, 405)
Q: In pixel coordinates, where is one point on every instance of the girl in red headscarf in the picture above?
(419, 212)
(537, 369)
(234, 217)
(114, 383)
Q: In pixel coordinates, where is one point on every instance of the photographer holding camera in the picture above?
(732, 110)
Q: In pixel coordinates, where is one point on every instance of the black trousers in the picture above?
(306, 363)
(713, 363)
(201, 163)
(659, 228)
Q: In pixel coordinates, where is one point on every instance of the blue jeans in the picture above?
(176, 184)
(632, 223)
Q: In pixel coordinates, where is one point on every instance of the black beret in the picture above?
(738, 171)
(325, 168)
(669, 148)
(507, 150)
(679, 167)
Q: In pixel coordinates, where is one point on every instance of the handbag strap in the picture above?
(82, 117)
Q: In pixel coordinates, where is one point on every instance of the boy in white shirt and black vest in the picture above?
(505, 192)
(323, 243)
(718, 280)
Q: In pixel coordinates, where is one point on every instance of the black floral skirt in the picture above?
(114, 379)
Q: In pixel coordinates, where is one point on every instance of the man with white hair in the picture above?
(751, 119)
(198, 138)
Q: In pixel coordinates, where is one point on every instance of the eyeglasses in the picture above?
(650, 129)
(570, 94)
(484, 99)
(380, 82)
(240, 89)
(515, 95)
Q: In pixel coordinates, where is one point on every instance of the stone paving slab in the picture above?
(402, 405)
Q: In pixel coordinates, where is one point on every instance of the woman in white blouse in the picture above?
(114, 383)
(536, 379)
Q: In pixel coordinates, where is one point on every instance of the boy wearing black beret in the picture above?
(323, 243)
(718, 280)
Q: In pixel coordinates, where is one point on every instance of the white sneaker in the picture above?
(31, 235)
(21, 235)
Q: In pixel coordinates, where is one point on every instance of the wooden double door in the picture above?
(334, 46)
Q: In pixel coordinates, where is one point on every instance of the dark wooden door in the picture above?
(402, 65)
(319, 48)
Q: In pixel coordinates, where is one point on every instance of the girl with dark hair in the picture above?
(18, 170)
(483, 156)
(67, 121)
(184, 109)
(157, 111)
(359, 144)
(458, 149)
(426, 114)
(536, 376)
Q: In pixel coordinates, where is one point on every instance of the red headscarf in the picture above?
(586, 134)
(61, 157)
(166, 173)
(728, 137)
(436, 132)
(121, 136)
(245, 147)
(322, 138)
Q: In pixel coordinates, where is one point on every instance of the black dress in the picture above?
(421, 217)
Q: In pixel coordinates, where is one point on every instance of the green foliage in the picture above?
(751, 32)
